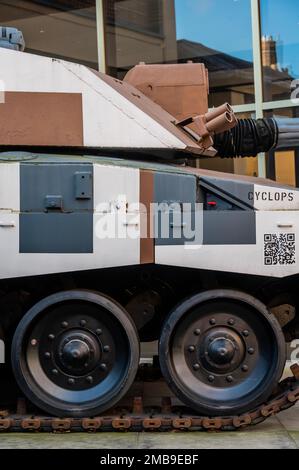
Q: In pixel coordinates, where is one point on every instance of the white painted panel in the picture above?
(247, 259)
(272, 198)
(9, 186)
(109, 118)
(109, 184)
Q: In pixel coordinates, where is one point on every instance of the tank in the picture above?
(111, 237)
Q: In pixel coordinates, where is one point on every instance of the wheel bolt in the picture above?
(71, 381)
(99, 331)
(197, 332)
(51, 337)
(245, 333)
(106, 348)
(191, 349)
(54, 371)
(33, 342)
(89, 379)
(250, 351)
(212, 321)
(83, 322)
(231, 321)
(211, 378)
(196, 366)
(47, 355)
(103, 366)
(64, 324)
(229, 378)
(244, 368)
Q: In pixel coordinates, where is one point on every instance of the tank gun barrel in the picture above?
(252, 136)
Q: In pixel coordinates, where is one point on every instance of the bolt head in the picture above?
(54, 371)
(212, 321)
(229, 378)
(211, 378)
(106, 348)
(89, 379)
(47, 355)
(33, 342)
(244, 368)
(83, 322)
(64, 324)
(231, 321)
(191, 348)
(51, 337)
(103, 366)
(250, 351)
(197, 331)
(99, 331)
(196, 366)
(245, 333)
(71, 381)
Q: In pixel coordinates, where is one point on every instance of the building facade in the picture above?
(250, 47)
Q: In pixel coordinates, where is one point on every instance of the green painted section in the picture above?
(23, 157)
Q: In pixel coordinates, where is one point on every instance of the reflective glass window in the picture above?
(64, 29)
(280, 47)
(215, 32)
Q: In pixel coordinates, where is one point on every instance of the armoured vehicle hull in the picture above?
(102, 247)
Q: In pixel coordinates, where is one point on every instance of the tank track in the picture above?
(164, 418)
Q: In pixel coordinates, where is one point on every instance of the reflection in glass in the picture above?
(280, 47)
(215, 32)
(64, 28)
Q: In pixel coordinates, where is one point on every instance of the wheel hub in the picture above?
(78, 352)
(221, 351)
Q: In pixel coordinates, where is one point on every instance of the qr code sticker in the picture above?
(279, 248)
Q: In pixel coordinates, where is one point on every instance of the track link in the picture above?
(164, 418)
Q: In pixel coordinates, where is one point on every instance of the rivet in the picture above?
(64, 324)
(47, 355)
(51, 337)
(196, 366)
(83, 322)
(211, 378)
(103, 366)
(229, 378)
(197, 331)
(250, 351)
(106, 348)
(54, 371)
(244, 368)
(191, 348)
(89, 379)
(71, 381)
(231, 321)
(212, 321)
(33, 342)
(99, 331)
(245, 333)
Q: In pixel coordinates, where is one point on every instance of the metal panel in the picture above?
(56, 233)
(55, 216)
(41, 180)
(172, 191)
(229, 228)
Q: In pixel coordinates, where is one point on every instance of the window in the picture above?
(171, 31)
(64, 28)
(280, 47)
